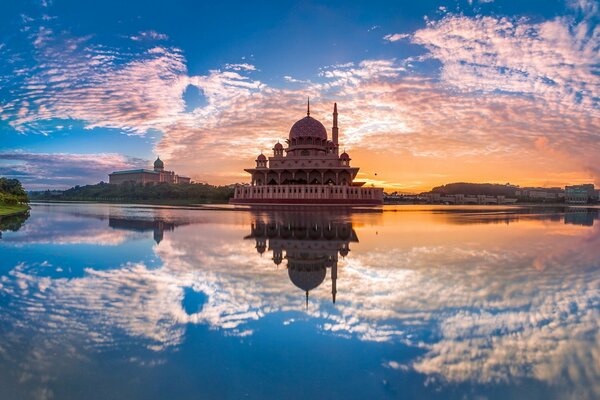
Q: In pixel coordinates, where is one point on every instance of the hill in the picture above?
(488, 189)
(163, 193)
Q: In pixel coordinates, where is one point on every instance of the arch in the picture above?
(344, 178)
(272, 178)
(329, 178)
(314, 178)
(301, 177)
(286, 178)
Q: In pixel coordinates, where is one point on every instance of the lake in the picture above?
(105, 301)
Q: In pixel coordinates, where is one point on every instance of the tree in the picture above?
(12, 192)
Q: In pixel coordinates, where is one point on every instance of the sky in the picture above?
(428, 92)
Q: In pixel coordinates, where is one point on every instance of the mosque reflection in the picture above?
(156, 225)
(310, 244)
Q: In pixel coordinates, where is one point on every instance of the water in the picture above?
(129, 302)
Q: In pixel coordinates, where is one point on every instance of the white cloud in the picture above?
(396, 37)
(555, 61)
(149, 35)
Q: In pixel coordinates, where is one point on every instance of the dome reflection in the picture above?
(311, 244)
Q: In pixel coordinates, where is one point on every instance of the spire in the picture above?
(335, 130)
(333, 281)
(307, 299)
(308, 107)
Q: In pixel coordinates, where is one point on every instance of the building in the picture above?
(539, 194)
(143, 176)
(308, 171)
(581, 194)
(479, 199)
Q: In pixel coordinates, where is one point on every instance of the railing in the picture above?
(308, 192)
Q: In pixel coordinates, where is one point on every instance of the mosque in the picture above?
(308, 171)
(143, 176)
(310, 244)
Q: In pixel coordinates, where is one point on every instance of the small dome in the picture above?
(278, 146)
(308, 127)
(330, 143)
(261, 158)
(344, 156)
(158, 163)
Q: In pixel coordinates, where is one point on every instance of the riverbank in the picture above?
(173, 202)
(6, 210)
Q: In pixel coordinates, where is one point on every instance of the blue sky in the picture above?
(91, 87)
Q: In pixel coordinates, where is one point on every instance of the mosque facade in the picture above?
(144, 176)
(309, 170)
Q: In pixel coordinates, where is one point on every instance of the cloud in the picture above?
(43, 170)
(149, 35)
(556, 61)
(396, 37)
(240, 67)
(505, 86)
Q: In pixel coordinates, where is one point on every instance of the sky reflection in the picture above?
(481, 297)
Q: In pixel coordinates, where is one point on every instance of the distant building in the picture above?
(580, 194)
(143, 176)
(479, 199)
(554, 194)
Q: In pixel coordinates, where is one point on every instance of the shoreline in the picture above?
(191, 205)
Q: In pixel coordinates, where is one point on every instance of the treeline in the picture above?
(132, 192)
(488, 189)
(12, 192)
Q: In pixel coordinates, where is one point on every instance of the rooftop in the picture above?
(134, 171)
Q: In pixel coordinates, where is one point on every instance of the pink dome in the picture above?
(344, 156)
(308, 127)
(278, 146)
(261, 158)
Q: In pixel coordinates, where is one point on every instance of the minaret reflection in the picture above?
(311, 244)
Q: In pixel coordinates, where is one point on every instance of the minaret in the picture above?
(333, 281)
(308, 107)
(334, 130)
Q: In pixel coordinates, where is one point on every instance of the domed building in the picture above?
(309, 170)
(143, 176)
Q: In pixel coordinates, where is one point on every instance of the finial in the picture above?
(307, 299)
(308, 107)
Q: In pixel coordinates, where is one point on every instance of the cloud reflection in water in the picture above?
(484, 302)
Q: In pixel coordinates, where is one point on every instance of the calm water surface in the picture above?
(128, 302)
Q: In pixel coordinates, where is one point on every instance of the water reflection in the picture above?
(12, 222)
(311, 244)
(157, 226)
(454, 302)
